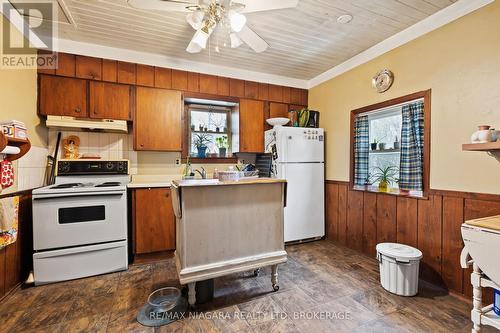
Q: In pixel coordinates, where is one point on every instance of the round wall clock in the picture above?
(383, 80)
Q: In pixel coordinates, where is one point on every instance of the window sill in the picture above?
(394, 192)
(212, 160)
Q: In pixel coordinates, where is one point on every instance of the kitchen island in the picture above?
(228, 227)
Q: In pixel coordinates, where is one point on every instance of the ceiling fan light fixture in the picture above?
(236, 20)
(193, 48)
(195, 19)
(200, 38)
(235, 40)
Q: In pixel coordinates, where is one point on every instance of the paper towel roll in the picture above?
(11, 150)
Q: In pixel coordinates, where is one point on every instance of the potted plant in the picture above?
(192, 127)
(222, 144)
(397, 144)
(200, 141)
(385, 176)
(201, 127)
(381, 145)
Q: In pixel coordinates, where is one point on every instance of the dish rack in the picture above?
(237, 175)
(480, 315)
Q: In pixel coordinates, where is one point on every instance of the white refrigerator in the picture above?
(298, 157)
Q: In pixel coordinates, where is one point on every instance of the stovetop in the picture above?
(81, 176)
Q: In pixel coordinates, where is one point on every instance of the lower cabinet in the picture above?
(153, 219)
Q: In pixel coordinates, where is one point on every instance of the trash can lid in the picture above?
(399, 252)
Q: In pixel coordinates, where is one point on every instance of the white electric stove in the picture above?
(80, 222)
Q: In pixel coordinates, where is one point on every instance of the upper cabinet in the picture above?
(62, 96)
(251, 126)
(88, 68)
(110, 101)
(158, 120)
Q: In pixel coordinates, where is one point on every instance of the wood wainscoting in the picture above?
(360, 220)
(16, 259)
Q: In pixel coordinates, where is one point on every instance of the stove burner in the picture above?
(68, 185)
(109, 184)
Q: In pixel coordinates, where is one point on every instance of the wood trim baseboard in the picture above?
(336, 182)
(467, 195)
(446, 193)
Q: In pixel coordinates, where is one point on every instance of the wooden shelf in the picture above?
(23, 144)
(385, 151)
(489, 146)
(209, 132)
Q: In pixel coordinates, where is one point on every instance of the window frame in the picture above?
(214, 109)
(426, 96)
(233, 159)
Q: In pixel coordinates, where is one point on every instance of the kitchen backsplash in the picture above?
(105, 145)
(120, 146)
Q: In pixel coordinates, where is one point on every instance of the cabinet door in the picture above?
(63, 96)
(157, 121)
(154, 220)
(278, 110)
(88, 68)
(109, 101)
(251, 126)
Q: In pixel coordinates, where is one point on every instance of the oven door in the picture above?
(65, 220)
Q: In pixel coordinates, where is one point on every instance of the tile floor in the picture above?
(323, 288)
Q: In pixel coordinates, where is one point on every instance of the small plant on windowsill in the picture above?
(376, 142)
(222, 144)
(200, 141)
(385, 177)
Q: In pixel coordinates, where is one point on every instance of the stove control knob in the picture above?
(64, 166)
(109, 166)
(121, 166)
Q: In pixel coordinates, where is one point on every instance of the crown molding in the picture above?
(101, 51)
(433, 22)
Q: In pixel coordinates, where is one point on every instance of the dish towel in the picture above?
(9, 209)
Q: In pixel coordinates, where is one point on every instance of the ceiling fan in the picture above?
(205, 16)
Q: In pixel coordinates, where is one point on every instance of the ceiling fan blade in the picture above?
(165, 5)
(253, 40)
(262, 5)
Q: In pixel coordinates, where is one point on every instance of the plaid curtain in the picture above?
(361, 150)
(412, 147)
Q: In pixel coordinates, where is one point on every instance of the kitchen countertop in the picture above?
(214, 182)
(147, 181)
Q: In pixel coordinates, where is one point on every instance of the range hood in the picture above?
(106, 125)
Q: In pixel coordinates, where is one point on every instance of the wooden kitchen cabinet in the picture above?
(62, 96)
(278, 110)
(154, 220)
(88, 67)
(110, 101)
(158, 120)
(251, 126)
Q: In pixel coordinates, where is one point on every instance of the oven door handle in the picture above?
(69, 195)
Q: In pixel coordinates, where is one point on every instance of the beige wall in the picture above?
(460, 62)
(18, 96)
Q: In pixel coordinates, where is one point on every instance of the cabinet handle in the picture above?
(77, 110)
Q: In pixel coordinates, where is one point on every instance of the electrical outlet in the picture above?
(177, 161)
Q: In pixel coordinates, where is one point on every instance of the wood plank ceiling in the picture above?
(305, 41)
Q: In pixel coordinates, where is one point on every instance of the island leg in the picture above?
(192, 294)
(274, 277)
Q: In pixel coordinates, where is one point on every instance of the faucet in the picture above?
(202, 173)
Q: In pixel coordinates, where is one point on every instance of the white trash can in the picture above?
(399, 265)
